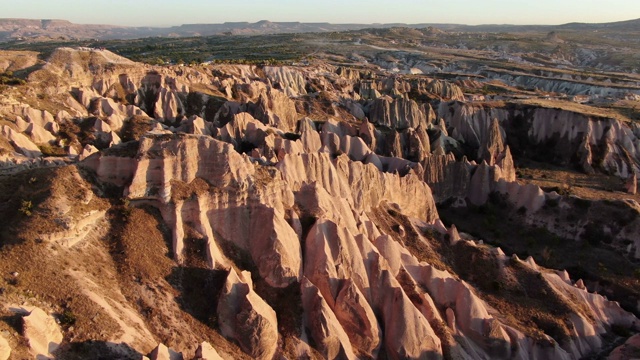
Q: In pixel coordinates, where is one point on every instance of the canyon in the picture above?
(329, 208)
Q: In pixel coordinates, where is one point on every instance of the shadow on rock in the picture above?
(199, 291)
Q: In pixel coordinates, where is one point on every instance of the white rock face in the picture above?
(288, 79)
(38, 134)
(87, 151)
(162, 352)
(397, 114)
(270, 240)
(42, 332)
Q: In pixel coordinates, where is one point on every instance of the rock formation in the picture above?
(563, 134)
(162, 352)
(245, 317)
(42, 332)
(628, 350)
(5, 349)
(631, 184)
(206, 352)
(396, 113)
(295, 211)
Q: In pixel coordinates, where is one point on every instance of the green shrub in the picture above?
(67, 318)
(26, 207)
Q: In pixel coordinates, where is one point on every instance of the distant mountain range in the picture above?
(42, 30)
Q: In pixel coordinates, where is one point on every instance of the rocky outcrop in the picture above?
(447, 177)
(493, 145)
(367, 132)
(323, 325)
(396, 113)
(162, 352)
(362, 185)
(415, 144)
(246, 318)
(445, 90)
(206, 352)
(562, 134)
(560, 85)
(286, 78)
(42, 332)
(358, 320)
(408, 333)
(20, 142)
(631, 184)
(334, 220)
(369, 90)
(274, 108)
(170, 169)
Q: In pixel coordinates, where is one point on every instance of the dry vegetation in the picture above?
(183, 191)
(434, 252)
(34, 202)
(135, 127)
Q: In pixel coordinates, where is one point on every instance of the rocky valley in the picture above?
(378, 194)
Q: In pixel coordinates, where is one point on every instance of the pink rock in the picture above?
(323, 325)
(21, 143)
(454, 236)
(39, 135)
(408, 334)
(246, 318)
(358, 320)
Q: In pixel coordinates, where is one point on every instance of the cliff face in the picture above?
(567, 86)
(560, 136)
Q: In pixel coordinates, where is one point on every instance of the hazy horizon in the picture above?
(162, 13)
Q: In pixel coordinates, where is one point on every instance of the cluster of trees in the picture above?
(8, 78)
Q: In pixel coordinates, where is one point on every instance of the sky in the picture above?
(173, 12)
